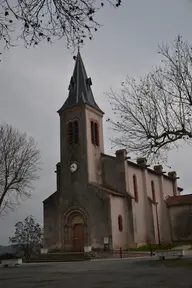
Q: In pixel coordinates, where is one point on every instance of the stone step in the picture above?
(61, 257)
(56, 260)
(64, 256)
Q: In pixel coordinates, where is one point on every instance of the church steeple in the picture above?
(79, 88)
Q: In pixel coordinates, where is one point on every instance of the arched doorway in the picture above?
(75, 235)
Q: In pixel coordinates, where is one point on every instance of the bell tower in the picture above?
(81, 134)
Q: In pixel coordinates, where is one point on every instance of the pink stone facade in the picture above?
(151, 221)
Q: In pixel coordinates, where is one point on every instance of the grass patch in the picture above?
(147, 248)
(167, 246)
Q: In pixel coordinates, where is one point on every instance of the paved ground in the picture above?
(100, 274)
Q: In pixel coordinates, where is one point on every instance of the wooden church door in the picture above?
(78, 237)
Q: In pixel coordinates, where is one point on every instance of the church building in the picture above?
(102, 200)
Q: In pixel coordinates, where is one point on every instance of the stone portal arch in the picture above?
(75, 229)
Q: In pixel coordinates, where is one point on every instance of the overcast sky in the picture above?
(34, 84)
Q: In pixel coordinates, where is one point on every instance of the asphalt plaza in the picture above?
(102, 273)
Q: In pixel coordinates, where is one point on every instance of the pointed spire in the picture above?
(79, 88)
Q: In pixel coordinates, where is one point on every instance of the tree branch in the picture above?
(153, 113)
(38, 20)
(19, 166)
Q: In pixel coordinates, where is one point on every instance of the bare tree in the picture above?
(19, 164)
(28, 236)
(154, 113)
(38, 20)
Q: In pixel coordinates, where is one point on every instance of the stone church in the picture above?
(103, 201)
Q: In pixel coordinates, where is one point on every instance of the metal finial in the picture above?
(78, 46)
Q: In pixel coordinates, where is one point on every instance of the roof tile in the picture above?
(179, 200)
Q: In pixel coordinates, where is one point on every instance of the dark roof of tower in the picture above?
(79, 88)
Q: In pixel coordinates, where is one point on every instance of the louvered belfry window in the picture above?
(94, 133)
(73, 132)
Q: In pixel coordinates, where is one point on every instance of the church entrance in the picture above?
(78, 238)
(75, 230)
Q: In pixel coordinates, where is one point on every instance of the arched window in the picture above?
(94, 133)
(120, 223)
(153, 190)
(73, 132)
(135, 188)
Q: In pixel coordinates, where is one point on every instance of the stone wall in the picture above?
(93, 203)
(181, 222)
(50, 218)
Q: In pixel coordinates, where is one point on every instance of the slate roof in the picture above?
(51, 197)
(111, 192)
(79, 88)
(179, 200)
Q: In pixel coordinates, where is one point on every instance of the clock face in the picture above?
(73, 167)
